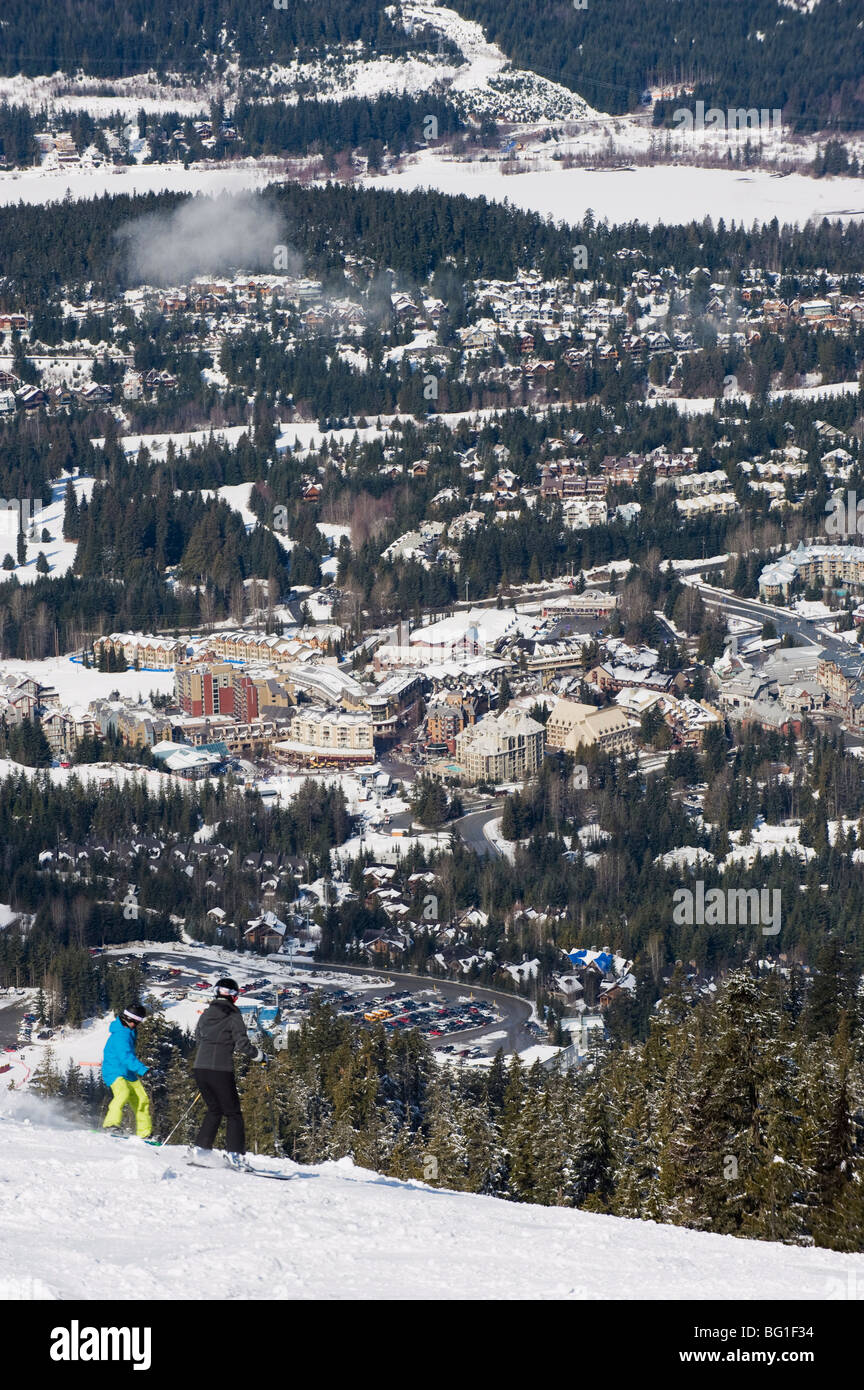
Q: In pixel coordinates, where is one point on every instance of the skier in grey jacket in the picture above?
(220, 1033)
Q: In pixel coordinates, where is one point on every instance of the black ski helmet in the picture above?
(134, 1015)
(227, 986)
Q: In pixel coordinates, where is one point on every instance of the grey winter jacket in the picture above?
(220, 1033)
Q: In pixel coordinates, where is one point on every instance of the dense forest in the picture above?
(17, 135)
(356, 123)
(107, 38)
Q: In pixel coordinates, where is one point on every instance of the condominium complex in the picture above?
(219, 687)
(318, 734)
(149, 652)
(813, 564)
(501, 748)
(572, 724)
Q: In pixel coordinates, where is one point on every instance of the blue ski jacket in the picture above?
(119, 1058)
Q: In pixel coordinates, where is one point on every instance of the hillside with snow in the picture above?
(85, 1216)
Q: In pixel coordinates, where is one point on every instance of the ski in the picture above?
(151, 1143)
(266, 1173)
(227, 1167)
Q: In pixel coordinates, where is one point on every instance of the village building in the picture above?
(572, 725)
(501, 748)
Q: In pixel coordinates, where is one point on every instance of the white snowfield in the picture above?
(85, 1216)
(42, 186)
(665, 193)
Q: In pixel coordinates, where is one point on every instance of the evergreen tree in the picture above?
(594, 1158)
(71, 518)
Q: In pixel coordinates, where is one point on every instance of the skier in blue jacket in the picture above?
(121, 1071)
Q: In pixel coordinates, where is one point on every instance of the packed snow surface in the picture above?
(82, 1215)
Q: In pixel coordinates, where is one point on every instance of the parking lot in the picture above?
(272, 1002)
(425, 1010)
(460, 1020)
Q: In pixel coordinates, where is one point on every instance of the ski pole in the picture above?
(183, 1117)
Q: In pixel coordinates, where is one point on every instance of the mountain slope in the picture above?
(744, 53)
(803, 56)
(82, 1215)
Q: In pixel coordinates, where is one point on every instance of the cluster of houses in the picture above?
(270, 877)
(591, 492)
(23, 697)
(237, 694)
(592, 978)
(512, 321)
(588, 981)
(759, 683)
(453, 943)
(513, 317)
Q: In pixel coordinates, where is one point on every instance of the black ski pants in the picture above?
(219, 1093)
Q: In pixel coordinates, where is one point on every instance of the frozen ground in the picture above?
(306, 433)
(59, 92)
(703, 405)
(86, 1216)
